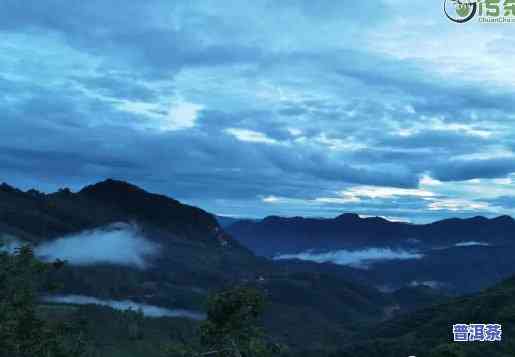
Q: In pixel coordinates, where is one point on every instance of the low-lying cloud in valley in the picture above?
(354, 258)
(464, 244)
(120, 244)
(471, 244)
(428, 283)
(9, 244)
(148, 310)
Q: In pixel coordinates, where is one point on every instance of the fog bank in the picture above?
(354, 258)
(471, 244)
(120, 244)
(148, 310)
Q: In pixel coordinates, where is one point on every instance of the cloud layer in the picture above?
(9, 244)
(225, 105)
(119, 244)
(148, 310)
(471, 244)
(354, 258)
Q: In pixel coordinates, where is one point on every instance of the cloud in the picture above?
(429, 283)
(9, 244)
(338, 200)
(384, 192)
(211, 103)
(271, 199)
(182, 115)
(250, 136)
(148, 310)
(357, 258)
(433, 139)
(471, 244)
(456, 205)
(467, 169)
(427, 180)
(119, 244)
(504, 201)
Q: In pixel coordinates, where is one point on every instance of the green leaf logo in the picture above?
(463, 10)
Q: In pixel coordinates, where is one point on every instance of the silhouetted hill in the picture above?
(428, 332)
(226, 221)
(166, 213)
(438, 254)
(274, 235)
(36, 216)
(192, 253)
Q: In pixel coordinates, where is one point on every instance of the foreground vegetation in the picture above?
(22, 332)
(51, 330)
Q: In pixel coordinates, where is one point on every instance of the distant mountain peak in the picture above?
(6, 188)
(46, 216)
(479, 218)
(504, 218)
(349, 217)
(377, 219)
(111, 185)
(273, 219)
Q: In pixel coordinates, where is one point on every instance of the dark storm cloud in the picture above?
(412, 78)
(61, 150)
(317, 164)
(460, 170)
(57, 160)
(135, 34)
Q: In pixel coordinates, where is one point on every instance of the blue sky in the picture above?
(251, 108)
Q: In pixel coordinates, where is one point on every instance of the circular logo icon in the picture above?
(460, 11)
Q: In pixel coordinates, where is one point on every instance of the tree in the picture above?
(232, 327)
(133, 320)
(22, 332)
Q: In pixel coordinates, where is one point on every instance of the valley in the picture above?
(123, 247)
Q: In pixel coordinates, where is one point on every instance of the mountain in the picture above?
(457, 270)
(190, 240)
(428, 332)
(226, 221)
(34, 214)
(393, 255)
(123, 243)
(274, 235)
(133, 203)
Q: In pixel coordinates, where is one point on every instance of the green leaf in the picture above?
(463, 10)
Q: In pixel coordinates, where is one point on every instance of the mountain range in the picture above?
(123, 244)
(392, 255)
(279, 235)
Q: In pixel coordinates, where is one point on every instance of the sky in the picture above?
(253, 108)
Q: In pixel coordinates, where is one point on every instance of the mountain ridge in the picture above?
(275, 234)
(50, 215)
